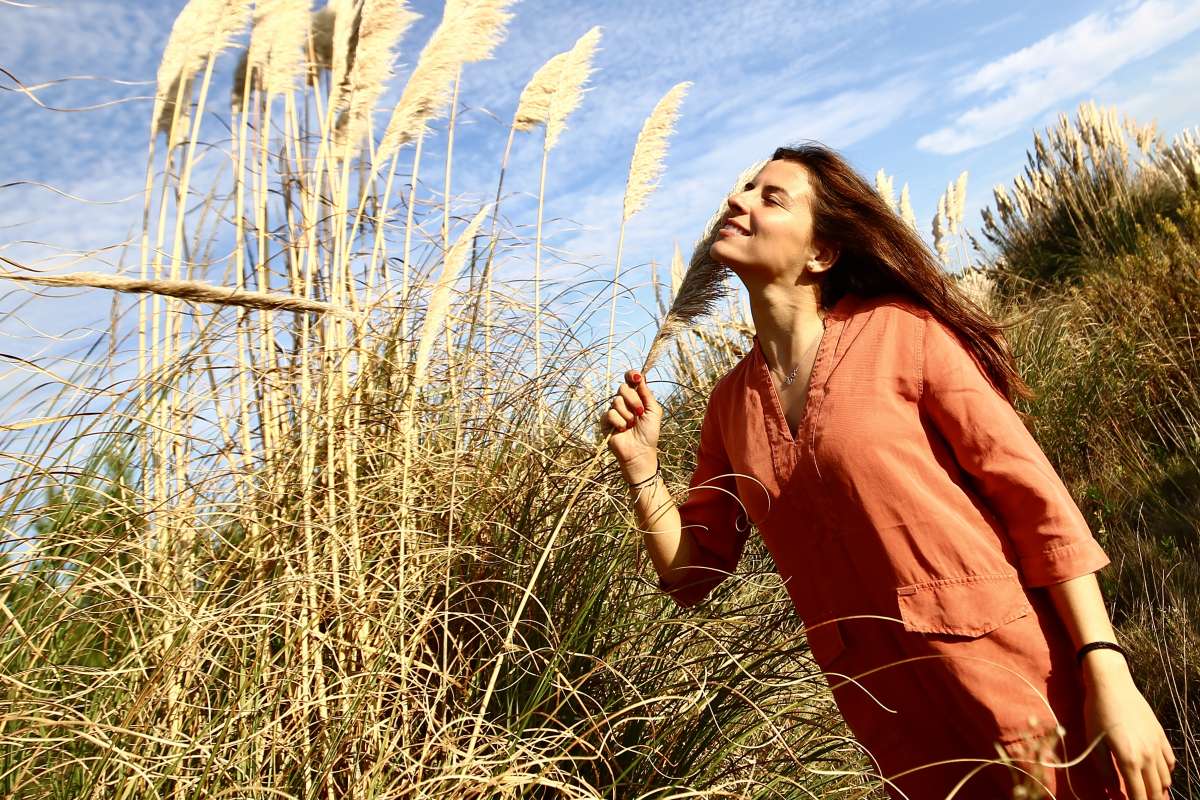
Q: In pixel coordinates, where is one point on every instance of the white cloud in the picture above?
(1057, 68)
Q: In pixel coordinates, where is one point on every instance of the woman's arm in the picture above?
(1113, 705)
(696, 545)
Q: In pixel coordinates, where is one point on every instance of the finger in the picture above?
(643, 390)
(1151, 779)
(1164, 773)
(1164, 779)
(1133, 780)
(632, 401)
(615, 420)
(1168, 753)
(622, 408)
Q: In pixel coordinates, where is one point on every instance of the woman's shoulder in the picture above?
(897, 304)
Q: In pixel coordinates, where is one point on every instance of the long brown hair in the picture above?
(880, 253)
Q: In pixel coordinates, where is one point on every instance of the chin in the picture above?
(715, 255)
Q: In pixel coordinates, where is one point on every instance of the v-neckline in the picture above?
(782, 419)
(815, 376)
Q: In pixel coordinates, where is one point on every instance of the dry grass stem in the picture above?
(193, 291)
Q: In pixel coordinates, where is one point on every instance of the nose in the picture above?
(734, 203)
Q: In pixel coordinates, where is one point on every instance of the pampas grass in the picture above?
(381, 26)
(202, 30)
(469, 32)
(703, 285)
(906, 209)
(278, 43)
(302, 556)
(649, 153)
(886, 187)
(556, 89)
(553, 92)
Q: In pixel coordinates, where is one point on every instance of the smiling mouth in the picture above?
(734, 229)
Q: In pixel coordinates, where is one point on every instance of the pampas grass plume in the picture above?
(202, 27)
(347, 14)
(676, 272)
(703, 285)
(277, 43)
(382, 24)
(439, 299)
(469, 31)
(321, 24)
(194, 291)
(886, 188)
(960, 201)
(556, 89)
(906, 209)
(651, 149)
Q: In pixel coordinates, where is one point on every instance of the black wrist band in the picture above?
(1097, 646)
(646, 481)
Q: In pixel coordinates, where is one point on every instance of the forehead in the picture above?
(789, 175)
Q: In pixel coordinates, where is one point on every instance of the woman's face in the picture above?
(774, 213)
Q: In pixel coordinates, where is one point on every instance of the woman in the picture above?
(943, 570)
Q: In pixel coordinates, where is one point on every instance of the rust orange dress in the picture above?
(914, 521)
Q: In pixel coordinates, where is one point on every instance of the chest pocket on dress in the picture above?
(968, 605)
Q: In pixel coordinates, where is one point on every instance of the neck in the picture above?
(787, 320)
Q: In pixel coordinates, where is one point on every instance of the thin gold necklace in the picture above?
(791, 376)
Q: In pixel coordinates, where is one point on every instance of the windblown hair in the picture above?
(880, 253)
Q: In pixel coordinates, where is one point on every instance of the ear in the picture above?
(823, 257)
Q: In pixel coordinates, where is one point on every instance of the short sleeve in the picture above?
(713, 514)
(993, 446)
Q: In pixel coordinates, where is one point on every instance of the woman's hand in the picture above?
(1114, 706)
(635, 417)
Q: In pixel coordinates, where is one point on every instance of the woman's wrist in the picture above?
(641, 472)
(1104, 667)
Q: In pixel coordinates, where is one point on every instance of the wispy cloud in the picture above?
(1058, 68)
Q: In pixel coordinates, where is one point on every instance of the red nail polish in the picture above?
(641, 411)
(636, 377)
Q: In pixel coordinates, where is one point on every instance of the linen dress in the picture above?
(914, 521)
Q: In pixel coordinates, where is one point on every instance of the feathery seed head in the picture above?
(704, 283)
(381, 24)
(650, 150)
(277, 43)
(469, 31)
(676, 272)
(556, 89)
(906, 209)
(960, 199)
(321, 24)
(439, 299)
(886, 188)
(203, 27)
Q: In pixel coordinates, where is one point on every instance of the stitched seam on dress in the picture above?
(990, 576)
(921, 363)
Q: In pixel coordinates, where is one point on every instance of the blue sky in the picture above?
(921, 88)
